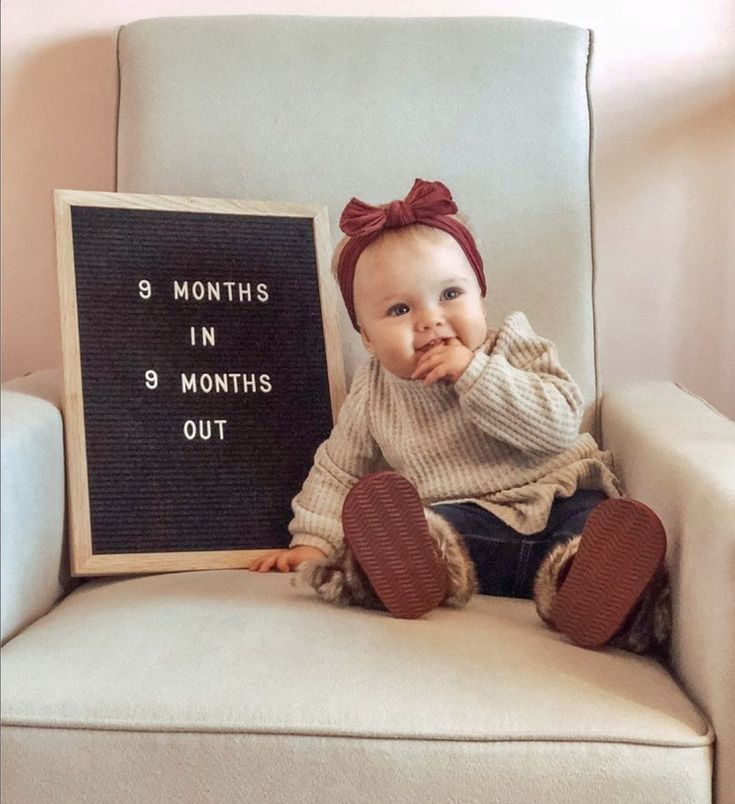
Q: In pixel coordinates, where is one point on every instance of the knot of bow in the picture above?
(425, 202)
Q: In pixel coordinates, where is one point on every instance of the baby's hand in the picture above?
(447, 360)
(285, 560)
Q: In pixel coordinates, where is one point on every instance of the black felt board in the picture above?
(151, 488)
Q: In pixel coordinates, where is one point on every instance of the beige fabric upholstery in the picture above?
(241, 679)
(34, 563)
(159, 768)
(676, 454)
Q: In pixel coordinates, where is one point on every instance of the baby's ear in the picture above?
(366, 342)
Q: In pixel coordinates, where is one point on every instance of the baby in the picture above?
(456, 463)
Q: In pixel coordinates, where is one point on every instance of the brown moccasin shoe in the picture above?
(622, 548)
(384, 525)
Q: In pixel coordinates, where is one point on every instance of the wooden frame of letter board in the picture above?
(83, 561)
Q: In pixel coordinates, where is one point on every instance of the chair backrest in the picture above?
(318, 109)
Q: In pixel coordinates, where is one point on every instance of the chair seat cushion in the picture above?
(234, 674)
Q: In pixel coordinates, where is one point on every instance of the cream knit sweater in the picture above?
(505, 435)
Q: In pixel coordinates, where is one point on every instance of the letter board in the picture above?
(202, 369)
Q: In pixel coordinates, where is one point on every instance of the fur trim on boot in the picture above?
(551, 574)
(461, 573)
(647, 629)
(339, 579)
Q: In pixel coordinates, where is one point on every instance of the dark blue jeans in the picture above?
(507, 561)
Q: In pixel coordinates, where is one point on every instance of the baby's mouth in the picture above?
(427, 346)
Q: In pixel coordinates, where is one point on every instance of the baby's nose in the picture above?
(429, 318)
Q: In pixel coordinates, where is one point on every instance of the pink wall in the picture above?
(663, 91)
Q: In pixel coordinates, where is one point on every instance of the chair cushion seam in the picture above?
(703, 742)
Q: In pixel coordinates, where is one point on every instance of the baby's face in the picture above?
(411, 292)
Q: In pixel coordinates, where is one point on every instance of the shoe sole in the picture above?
(623, 546)
(384, 525)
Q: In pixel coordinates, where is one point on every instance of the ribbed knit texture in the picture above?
(504, 436)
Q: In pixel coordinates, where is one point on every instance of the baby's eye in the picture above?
(451, 293)
(398, 309)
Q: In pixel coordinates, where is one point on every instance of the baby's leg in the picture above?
(503, 560)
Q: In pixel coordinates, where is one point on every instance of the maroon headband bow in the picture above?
(428, 202)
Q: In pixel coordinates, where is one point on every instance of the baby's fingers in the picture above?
(264, 563)
(425, 365)
(438, 373)
(284, 563)
(258, 566)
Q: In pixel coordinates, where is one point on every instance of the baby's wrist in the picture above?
(472, 372)
(307, 548)
(312, 542)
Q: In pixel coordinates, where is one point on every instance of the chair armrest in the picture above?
(677, 454)
(34, 554)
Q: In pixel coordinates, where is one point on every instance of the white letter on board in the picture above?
(207, 336)
(203, 429)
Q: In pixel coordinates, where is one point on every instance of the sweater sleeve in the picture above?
(519, 393)
(348, 454)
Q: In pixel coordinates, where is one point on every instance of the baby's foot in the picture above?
(601, 582)
(385, 527)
